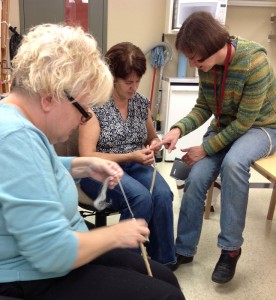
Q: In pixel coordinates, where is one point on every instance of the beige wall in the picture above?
(14, 14)
(142, 23)
(254, 24)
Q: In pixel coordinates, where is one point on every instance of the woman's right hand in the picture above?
(143, 156)
(169, 140)
(130, 233)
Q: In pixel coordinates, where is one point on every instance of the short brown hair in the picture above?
(125, 58)
(202, 34)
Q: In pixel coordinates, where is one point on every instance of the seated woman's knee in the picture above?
(231, 164)
(198, 176)
(143, 199)
(163, 192)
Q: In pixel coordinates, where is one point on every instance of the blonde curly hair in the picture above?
(54, 58)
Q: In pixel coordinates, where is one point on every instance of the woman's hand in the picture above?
(169, 140)
(193, 154)
(97, 168)
(155, 145)
(144, 156)
(100, 169)
(130, 233)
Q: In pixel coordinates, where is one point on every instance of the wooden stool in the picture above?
(265, 166)
(208, 204)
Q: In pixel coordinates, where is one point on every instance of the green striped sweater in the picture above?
(249, 97)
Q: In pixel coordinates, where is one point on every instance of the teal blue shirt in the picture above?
(38, 203)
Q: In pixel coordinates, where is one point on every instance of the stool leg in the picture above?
(272, 204)
(208, 202)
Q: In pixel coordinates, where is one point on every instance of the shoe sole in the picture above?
(222, 281)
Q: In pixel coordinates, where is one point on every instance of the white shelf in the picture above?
(252, 3)
(272, 35)
(182, 80)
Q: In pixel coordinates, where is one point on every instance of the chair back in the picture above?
(70, 147)
(9, 298)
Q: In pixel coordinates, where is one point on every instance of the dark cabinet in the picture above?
(34, 12)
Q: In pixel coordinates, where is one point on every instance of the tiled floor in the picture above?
(256, 270)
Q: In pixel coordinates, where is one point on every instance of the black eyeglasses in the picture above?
(86, 115)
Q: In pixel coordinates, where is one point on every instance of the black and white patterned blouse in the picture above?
(117, 135)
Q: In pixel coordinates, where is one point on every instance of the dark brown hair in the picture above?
(125, 58)
(201, 34)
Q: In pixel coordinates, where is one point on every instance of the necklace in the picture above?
(221, 94)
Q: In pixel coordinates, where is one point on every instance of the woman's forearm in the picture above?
(126, 234)
(92, 244)
(79, 164)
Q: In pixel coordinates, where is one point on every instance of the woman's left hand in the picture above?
(156, 145)
(100, 169)
(97, 168)
(193, 154)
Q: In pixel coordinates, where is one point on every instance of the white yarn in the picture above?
(100, 202)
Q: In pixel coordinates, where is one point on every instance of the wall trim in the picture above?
(252, 3)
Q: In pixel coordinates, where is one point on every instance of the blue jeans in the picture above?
(233, 165)
(155, 208)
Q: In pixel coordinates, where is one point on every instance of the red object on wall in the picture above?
(76, 13)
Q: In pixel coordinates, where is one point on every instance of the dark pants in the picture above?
(119, 274)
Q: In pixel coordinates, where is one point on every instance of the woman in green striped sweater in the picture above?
(237, 87)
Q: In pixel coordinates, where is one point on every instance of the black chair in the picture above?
(70, 148)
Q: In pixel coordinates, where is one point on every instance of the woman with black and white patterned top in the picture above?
(122, 131)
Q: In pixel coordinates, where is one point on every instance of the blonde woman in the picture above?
(46, 250)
